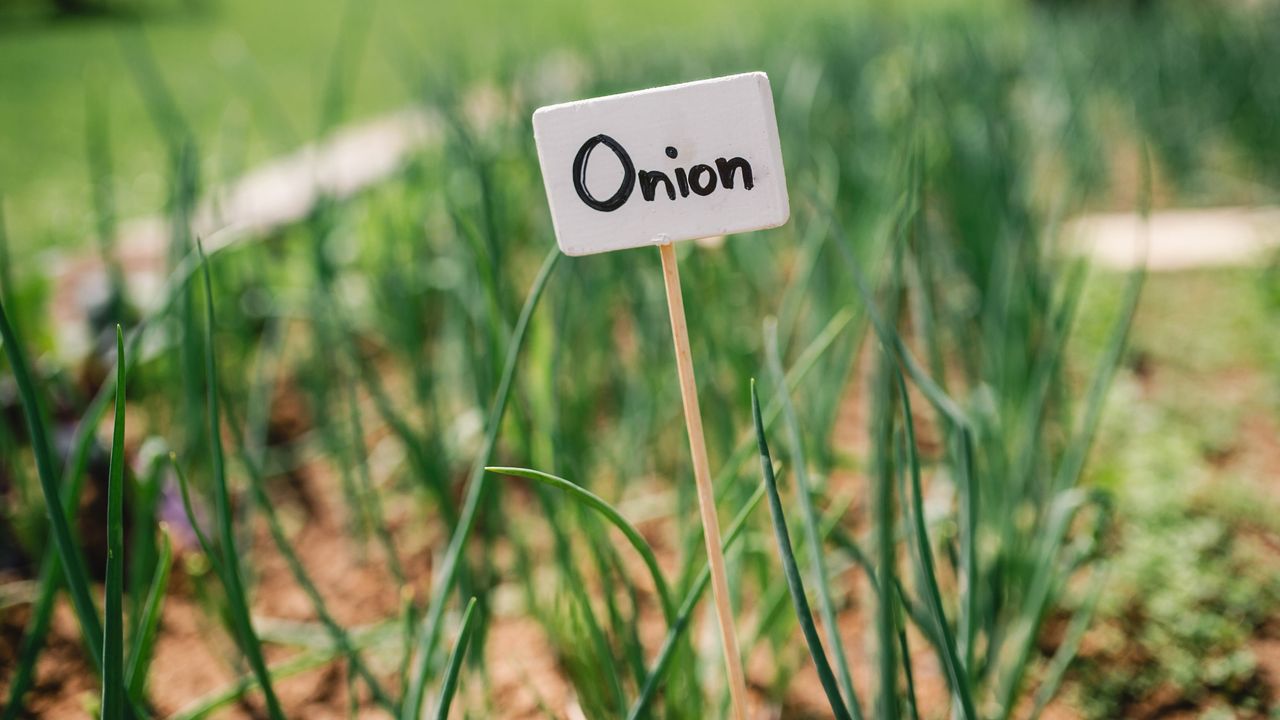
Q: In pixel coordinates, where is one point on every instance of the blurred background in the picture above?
(1018, 352)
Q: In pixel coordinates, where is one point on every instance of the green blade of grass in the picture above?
(792, 572)
(607, 511)
(184, 488)
(653, 680)
(98, 152)
(826, 607)
(582, 617)
(73, 565)
(144, 638)
(957, 675)
(475, 494)
(1068, 500)
(50, 575)
(113, 684)
(949, 409)
(938, 397)
(799, 370)
(210, 703)
(969, 570)
(450, 683)
(205, 706)
(142, 544)
(1044, 584)
(912, 704)
(236, 597)
(337, 633)
(73, 475)
(51, 568)
(882, 412)
(1070, 644)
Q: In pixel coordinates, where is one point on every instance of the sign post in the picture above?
(702, 477)
(657, 166)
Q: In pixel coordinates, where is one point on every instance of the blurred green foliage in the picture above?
(1194, 577)
(244, 75)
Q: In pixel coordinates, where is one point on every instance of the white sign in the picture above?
(670, 163)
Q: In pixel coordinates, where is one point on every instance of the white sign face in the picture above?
(671, 163)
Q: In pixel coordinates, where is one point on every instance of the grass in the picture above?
(243, 74)
(424, 338)
(113, 680)
(229, 560)
(69, 553)
(791, 571)
(614, 518)
(475, 494)
(450, 684)
(807, 513)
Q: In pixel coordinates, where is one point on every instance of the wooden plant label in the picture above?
(671, 163)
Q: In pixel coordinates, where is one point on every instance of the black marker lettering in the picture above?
(683, 180)
(701, 179)
(727, 167)
(649, 180)
(580, 174)
(702, 188)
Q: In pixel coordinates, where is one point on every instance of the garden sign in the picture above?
(653, 167)
(671, 163)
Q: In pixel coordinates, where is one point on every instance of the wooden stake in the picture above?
(702, 477)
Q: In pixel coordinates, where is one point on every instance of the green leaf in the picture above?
(596, 503)
(69, 555)
(205, 706)
(476, 487)
(140, 652)
(957, 675)
(808, 517)
(792, 572)
(51, 568)
(1070, 644)
(341, 639)
(450, 684)
(653, 680)
(882, 414)
(237, 599)
(113, 685)
(184, 488)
